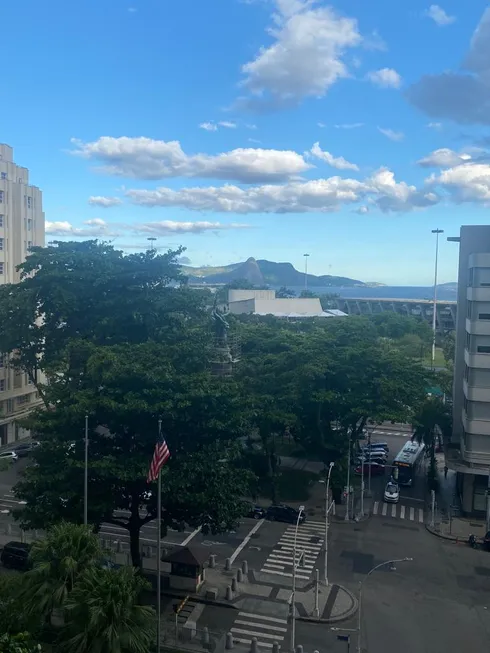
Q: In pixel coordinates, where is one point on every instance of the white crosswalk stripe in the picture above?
(266, 629)
(309, 543)
(400, 434)
(400, 511)
(10, 502)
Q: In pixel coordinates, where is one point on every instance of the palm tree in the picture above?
(104, 613)
(57, 562)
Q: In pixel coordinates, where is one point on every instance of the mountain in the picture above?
(262, 273)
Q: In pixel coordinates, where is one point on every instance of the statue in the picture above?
(221, 325)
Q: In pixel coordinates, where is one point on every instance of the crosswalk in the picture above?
(399, 511)
(266, 629)
(308, 545)
(400, 434)
(9, 502)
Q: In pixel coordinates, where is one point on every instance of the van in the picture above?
(15, 555)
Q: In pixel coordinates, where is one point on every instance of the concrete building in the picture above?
(265, 302)
(469, 450)
(21, 227)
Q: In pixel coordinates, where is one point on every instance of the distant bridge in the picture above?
(445, 314)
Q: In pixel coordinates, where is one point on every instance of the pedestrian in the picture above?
(445, 471)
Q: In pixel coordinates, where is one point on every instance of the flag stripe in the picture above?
(160, 457)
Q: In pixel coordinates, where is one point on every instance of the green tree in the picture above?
(285, 293)
(307, 294)
(431, 424)
(13, 617)
(57, 562)
(20, 643)
(125, 390)
(449, 348)
(329, 300)
(104, 613)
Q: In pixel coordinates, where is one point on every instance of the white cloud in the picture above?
(336, 162)
(439, 16)
(171, 227)
(322, 125)
(145, 158)
(227, 124)
(95, 228)
(351, 125)
(392, 134)
(104, 202)
(468, 182)
(443, 158)
(385, 78)
(254, 140)
(363, 210)
(251, 126)
(208, 126)
(315, 196)
(305, 56)
(434, 125)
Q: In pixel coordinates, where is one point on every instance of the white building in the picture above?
(469, 451)
(265, 302)
(21, 227)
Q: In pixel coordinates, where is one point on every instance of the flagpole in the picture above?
(159, 548)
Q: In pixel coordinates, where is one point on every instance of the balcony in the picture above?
(476, 426)
(480, 294)
(481, 361)
(476, 393)
(478, 327)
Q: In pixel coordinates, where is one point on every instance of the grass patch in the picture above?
(295, 485)
(439, 360)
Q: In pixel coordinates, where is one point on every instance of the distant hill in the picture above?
(264, 272)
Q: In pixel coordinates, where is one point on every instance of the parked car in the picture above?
(392, 493)
(376, 469)
(256, 512)
(377, 445)
(9, 455)
(15, 555)
(285, 514)
(373, 456)
(25, 448)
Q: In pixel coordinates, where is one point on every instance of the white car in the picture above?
(9, 455)
(392, 493)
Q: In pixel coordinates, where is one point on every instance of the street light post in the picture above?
(85, 476)
(306, 270)
(347, 516)
(359, 607)
(434, 315)
(293, 593)
(327, 510)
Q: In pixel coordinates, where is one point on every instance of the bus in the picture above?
(407, 462)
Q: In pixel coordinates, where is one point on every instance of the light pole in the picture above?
(327, 510)
(306, 270)
(151, 240)
(359, 607)
(434, 316)
(347, 517)
(85, 476)
(293, 593)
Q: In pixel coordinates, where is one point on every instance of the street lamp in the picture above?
(359, 621)
(306, 270)
(434, 315)
(293, 593)
(327, 510)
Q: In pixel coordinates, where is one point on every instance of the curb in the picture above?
(442, 536)
(200, 599)
(341, 617)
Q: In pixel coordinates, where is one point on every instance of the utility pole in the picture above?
(85, 476)
(327, 510)
(347, 517)
(434, 313)
(293, 593)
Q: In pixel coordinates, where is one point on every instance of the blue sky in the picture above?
(265, 128)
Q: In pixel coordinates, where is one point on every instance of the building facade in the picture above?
(21, 227)
(469, 450)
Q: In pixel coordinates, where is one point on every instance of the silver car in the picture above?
(392, 493)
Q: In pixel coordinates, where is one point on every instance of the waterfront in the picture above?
(444, 293)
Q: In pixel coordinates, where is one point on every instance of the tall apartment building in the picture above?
(21, 227)
(469, 450)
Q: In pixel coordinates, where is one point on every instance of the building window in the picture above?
(1, 244)
(483, 349)
(2, 194)
(29, 224)
(23, 399)
(484, 284)
(29, 202)
(468, 341)
(466, 372)
(1, 267)
(29, 244)
(4, 175)
(10, 405)
(1, 220)
(471, 276)
(484, 316)
(2, 385)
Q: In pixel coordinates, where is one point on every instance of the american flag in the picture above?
(160, 457)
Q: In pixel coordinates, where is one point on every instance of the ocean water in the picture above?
(387, 292)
